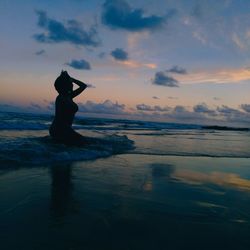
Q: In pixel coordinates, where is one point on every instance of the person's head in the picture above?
(63, 84)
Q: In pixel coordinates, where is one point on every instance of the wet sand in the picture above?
(128, 201)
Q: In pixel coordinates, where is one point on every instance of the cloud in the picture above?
(101, 55)
(203, 108)
(197, 11)
(172, 97)
(71, 32)
(227, 110)
(35, 105)
(118, 14)
(180, 109)
(155, 97)
(119, 54)
(162, 79)
(234, 115)
(216, 76)
(177, 70)
(238, 42)
(106, 107)
(90, 86)
(182, 114)
(202, 114)
(30, 107)
(200, 37)
(245, 107)
(216, 98)
(51, 106)
(79, 64)
(136, 64)
(144, 107)
(40, 52)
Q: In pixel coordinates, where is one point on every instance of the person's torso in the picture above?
(65, 110)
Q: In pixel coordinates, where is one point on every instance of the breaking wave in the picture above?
(42, 150)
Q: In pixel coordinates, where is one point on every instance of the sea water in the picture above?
(146, 186)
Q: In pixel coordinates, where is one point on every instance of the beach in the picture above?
(147, 186)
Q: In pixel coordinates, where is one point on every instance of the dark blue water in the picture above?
(24, 140)
(148, 186)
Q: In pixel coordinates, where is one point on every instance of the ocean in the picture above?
(146, 185)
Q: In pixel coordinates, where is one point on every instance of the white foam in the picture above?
(42, 150)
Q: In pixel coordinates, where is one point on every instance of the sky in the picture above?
(167, 60)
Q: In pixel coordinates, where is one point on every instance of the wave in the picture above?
(190, 154)
(171, 133)
(20, 121)
(225, 128)
(22, 125)
(42, 150)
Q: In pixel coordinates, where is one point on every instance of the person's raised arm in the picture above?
(78, 91)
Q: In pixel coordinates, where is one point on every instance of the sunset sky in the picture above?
(167, 60)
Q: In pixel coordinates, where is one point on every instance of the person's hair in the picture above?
(62, 83)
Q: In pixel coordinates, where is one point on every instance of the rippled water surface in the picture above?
(147, 186)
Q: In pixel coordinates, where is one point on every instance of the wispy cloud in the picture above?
(155, 97)
(40, 52)
(238, 41)
(214, 76)
(200, 37)
(135, 64)
(216, 98)
(177, 70)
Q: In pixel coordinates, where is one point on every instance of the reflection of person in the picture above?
(61, 128)
(62, 201)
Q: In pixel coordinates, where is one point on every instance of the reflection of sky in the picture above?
(138, 196)
(218, 178)
(210, 39)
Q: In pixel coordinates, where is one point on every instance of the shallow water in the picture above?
(160, 192)
(128, 202)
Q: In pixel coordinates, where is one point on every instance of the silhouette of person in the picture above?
(65, 108)
(62, 200)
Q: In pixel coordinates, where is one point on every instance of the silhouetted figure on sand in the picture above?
(65, 108)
